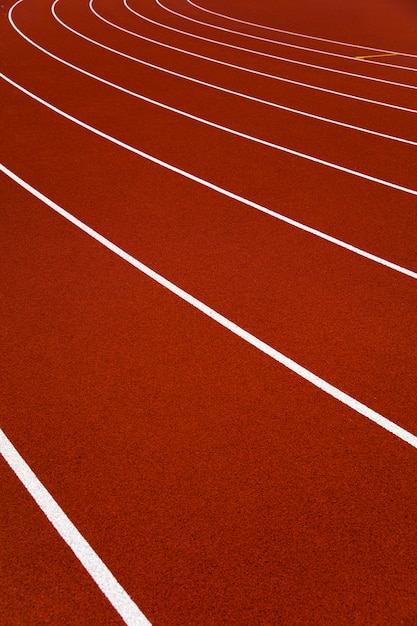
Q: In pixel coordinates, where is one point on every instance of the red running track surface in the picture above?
(217, 485)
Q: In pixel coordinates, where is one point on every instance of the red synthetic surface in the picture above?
(217, 486)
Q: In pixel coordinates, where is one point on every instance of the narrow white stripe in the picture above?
(243, 69)
(95, 567)
(301, 371)
(273, 56)
(289, 32)
(319, 118)
(216, 188)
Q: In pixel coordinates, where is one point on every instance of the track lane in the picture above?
(222, 477)
(257, 189)
(215, 87)
(243, 334)
(322, 57)
(215, 188)
(343, 102)
(177, 22)
(337, 46)
(300, 127)
(267, 304)
(330, 78)
(208, 490)
(129, 27)
(390, 26)
(343, 50)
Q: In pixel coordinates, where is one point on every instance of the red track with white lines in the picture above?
(209, 312)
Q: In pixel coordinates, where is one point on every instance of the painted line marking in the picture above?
(241, 68)
(99, 572)
(374, 56)
(260, 345)
(220, 190)
(319, 118)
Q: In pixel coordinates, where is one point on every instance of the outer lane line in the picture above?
(244, 69)
(216, 188)
(270, 56)
(263, 142)
(276, 42)
(216, 87)
(289, 32)
(260, 345)
(99, 572)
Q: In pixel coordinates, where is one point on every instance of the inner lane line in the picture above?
(216, 188)
(260, 345)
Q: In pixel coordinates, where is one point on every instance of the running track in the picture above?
(208, 313)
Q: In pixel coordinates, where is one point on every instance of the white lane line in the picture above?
(285, 44)
(240, 68)
(277, 147)
(295, 367)
(215, 87)
(216, 188)
(99, 572)
(289, 32)
(272, 56)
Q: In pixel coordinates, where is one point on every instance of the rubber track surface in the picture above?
(217, 485)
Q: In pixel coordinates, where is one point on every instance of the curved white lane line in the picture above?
(222, 89)
(89, 559)
(286, 44)
(216, 188)
(223, 321)
(244, 69)
(268, 144)
(289, 32)
(273, 56)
